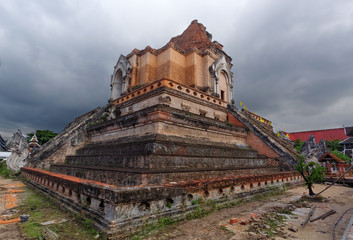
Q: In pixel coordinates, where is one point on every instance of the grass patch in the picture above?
(274, 191)
(273, 222)
(151, 227)
(269, 224)
(42, 209)
(227, 230)
(285, 211)
(197, 201)
(202, 208)
(209, 206)
(6, 173)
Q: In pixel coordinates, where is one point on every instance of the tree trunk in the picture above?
(311, 193)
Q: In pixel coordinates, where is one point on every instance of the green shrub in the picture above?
(6, 173)
(334, 146)
(298, 145)
(311, 172)
(342, 156)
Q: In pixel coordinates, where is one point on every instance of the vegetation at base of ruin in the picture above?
(202, 209)
(43, 136)
(168, 205)
(311, 172)
(42, 209)
(226, 229)
(273, 222)
(150, 227)
(298, 145)
(6, 173)
(342, 156)
(197, 201)
(270, 223)
(274, 191)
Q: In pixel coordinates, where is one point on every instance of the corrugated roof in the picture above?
(347, 141)
(349, 131)
(3, 145)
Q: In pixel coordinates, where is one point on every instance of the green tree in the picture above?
(312, 172)
(334, 146)
(298, 145)
(43, 136)
(342, 156)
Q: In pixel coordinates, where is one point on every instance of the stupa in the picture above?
(169, 135)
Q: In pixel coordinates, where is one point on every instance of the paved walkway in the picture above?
(9, 198)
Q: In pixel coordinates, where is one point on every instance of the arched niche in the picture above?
(120, 78)
(222, 83)
(116, 86)
(223, 86)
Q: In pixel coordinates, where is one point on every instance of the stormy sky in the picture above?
(293, 60)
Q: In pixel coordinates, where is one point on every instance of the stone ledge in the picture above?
(132, 119)
(168, 83)
(123, 194)
(151, 171)
(121, 210)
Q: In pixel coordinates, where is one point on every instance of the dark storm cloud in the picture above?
(293, 62)
(292, 59)
(53, 66)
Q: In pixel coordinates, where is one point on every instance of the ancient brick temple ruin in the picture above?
(169, 135)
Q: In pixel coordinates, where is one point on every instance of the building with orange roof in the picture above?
(326, 134)
(348, 142)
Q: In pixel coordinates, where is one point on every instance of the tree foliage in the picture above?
(334, 146)
(342, 156)
(312, 173)
(298, 145)
(43, 136)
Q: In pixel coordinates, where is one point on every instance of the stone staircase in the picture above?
(158, 159)
(279, 145)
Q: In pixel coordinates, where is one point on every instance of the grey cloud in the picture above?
(292, 59)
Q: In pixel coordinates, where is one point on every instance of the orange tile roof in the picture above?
(333, 156)
(326, 134)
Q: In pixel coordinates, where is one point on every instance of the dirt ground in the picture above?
(254, 219)
(11, 194)
(217, 224)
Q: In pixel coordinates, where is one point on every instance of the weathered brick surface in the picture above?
(120, 210)
(194, 39)
(234, 121)
(262, 148)
(286, 152)
(134, 177)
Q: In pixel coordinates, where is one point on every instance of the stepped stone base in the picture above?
(132, 169)
(123, 177)
(120, 211)
(159, 159)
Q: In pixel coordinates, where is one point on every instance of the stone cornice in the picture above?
(167, 83)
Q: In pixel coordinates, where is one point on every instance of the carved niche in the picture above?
(221, 75)
(120, 78)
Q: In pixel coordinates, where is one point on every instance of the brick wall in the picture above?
(257, 144)
(234, 121)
